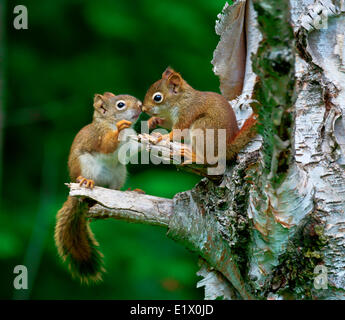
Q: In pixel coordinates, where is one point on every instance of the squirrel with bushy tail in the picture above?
(93, 160)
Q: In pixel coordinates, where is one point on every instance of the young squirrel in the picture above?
(174, 104)
(93, 160)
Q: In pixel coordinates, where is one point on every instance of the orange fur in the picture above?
(109, 142)
(195, 110)
(246, 133)
(74, 239)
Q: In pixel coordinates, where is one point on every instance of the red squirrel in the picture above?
(93, 160)
(174, 104)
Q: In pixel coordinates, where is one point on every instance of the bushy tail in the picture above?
(243, 136)
(75, 241)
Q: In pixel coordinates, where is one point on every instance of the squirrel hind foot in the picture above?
(136, 190)
(89, 183)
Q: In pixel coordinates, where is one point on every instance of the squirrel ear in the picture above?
(168, 71)
(108, 95)
(174, 82)
(98, 100)
(98, 103)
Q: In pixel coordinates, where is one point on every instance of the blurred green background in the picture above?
(49, 74)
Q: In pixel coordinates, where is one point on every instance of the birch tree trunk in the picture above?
(273, 227)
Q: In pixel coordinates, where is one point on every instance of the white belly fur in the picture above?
(104, 169)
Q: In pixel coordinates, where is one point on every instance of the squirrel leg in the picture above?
(89, 183)
(114, 135)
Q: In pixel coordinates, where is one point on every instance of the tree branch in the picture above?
(130, 206)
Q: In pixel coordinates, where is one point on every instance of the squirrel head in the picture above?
(111, 108)
(166, 94)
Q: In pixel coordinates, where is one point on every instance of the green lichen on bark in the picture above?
(239, 220)
(294, 276)
(229, 202)
(229, 207)
(274, 65)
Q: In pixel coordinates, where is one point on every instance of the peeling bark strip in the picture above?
(274, 64)
(230, 55)
(278, 213)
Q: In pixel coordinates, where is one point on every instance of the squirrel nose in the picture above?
(144, 109)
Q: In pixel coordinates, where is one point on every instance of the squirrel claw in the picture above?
(89, 183)
(154, 121)
(137, 190)
(123, 124)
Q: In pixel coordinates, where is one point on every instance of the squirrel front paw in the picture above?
(89, 183)
(153, 122)
(123, 124)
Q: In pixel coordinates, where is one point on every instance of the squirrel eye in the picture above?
(157, 97)
(120, 105)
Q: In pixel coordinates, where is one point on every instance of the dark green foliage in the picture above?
(72, 50)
